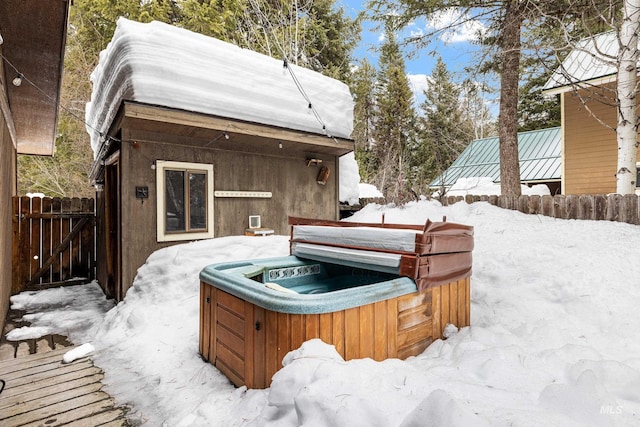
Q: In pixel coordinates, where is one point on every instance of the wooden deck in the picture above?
(41, 391)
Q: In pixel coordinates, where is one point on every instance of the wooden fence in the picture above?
(611, 207)
(53, 242)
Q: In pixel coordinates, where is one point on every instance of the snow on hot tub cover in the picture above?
(159, 64)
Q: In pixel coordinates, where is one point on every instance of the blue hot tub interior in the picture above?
(296, 285)
(316, 277)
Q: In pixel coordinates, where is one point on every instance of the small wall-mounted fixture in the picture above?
(313, 161)
(17, 81)
(323, 175)
(254, 221)
(222, 134)
(142, 192)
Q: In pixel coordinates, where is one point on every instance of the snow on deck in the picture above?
(159, 64)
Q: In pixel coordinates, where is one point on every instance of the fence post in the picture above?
(585, 207)
(600, 207)
(559, 206)
(614, 202)
(15, 243)
(547, 205)
(523, 205)
(629, 212)
(572, 206)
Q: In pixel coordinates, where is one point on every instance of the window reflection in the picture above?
(174, 200)
(197, 200)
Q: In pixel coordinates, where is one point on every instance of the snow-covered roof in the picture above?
(159, 64)
(591, 59)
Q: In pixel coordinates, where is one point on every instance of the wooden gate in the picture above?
(53, 242)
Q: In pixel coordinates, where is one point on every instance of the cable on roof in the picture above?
(267, 24)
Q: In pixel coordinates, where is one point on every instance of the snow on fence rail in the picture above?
(600, 207)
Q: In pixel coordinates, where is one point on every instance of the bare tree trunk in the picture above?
(508, 118)
(627, 129)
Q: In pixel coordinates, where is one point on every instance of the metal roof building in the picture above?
(539, 152)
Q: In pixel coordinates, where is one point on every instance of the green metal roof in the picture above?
(539, 153)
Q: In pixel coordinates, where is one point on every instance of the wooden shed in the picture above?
(245, 136)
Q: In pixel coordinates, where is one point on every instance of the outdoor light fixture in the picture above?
(313, 161)
(17, 81)
(222, 134)
(323, 175)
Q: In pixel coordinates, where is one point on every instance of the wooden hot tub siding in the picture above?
(247, 343)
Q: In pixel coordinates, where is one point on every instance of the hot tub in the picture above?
(343, 284)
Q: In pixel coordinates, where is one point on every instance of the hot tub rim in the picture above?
(258, 294)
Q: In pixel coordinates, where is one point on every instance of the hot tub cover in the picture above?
(438, 253)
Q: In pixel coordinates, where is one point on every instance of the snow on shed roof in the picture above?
(539, 152)
(592, 58)
(159, 64)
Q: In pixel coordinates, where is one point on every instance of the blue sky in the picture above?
(455, 48)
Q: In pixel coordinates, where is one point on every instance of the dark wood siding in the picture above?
(284, 173)
(7, 190)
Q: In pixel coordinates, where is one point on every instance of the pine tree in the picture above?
(394, 122)
(475, 112)
(333, 38)
(535, 110)
(445, 133)
(363, 89)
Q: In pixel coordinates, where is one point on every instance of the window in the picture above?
(185, 201)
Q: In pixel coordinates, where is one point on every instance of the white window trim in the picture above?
(162, 236)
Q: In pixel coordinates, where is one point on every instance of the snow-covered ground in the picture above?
(554, 338)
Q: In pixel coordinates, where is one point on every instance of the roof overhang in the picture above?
(580, 85)
(205, 131)
(34, 37)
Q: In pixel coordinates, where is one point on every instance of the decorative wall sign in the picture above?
(245, 194)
